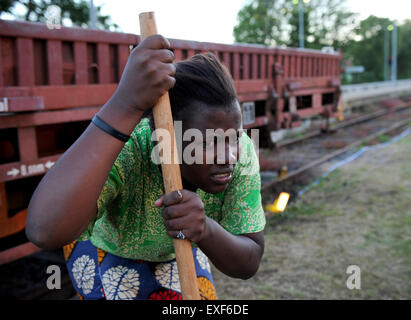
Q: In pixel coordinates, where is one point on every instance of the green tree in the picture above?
(367, 49)
(256, 21)
(276, 22)
(76, 11)
(6, 5)
(404, 50)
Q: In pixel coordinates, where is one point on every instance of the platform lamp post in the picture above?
(92, 15)
(394, 52)
(387, 51)
(301, 20)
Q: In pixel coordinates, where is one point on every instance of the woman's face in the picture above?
(218, 147)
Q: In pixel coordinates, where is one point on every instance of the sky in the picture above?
(210, 20)
(214, 20)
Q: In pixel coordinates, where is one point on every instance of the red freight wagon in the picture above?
(52, 81)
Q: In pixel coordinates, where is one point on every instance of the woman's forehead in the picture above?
(215, 117)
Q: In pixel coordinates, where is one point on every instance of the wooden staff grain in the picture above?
(171, 176)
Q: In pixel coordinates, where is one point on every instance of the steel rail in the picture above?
(336, 153)
(344, 124)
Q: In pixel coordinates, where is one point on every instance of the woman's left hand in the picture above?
(183, 211)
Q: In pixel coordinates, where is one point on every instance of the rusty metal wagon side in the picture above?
(52, 81)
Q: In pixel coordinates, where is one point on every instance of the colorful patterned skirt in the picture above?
(97, 274)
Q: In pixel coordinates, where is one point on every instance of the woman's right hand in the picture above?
(77, 178)
(147, 75)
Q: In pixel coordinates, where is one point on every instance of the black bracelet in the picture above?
(109, 129)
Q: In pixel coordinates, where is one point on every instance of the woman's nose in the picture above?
(227, 154)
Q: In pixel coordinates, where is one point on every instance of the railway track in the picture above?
(290, 166)
(26, 278)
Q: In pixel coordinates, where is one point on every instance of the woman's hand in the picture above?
(237, 256)
(147, 75)
(185, 213)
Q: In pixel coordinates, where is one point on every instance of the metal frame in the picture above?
(64, 75)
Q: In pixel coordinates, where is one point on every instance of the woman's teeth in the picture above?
(222, 175)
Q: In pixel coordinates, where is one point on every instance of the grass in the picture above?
(359, 214)
(383, 138)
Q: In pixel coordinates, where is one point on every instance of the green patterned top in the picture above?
(129, 225)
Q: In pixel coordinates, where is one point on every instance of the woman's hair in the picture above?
(202, 79)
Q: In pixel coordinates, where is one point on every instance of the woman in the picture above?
(107, 193)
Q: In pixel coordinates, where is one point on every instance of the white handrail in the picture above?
(376, 85)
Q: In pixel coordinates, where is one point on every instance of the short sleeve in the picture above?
(114, 191)
(242, 211)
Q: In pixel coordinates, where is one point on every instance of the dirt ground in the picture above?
(359, 215)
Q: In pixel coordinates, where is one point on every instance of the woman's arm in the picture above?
(237, 256)
(65, 201)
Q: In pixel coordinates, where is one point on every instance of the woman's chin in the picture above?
(214, 189)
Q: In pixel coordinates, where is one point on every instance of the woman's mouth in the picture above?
(221, 178)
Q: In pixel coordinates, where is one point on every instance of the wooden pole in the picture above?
(171, 176)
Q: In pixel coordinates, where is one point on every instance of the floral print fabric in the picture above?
(97, 274)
